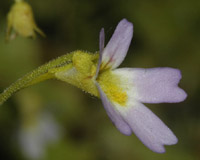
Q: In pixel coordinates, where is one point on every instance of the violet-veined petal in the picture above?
(116, 49)
(115, 117)
(149, 128)
(101, 48)
(154, 85)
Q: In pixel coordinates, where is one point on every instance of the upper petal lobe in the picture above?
(116, 49)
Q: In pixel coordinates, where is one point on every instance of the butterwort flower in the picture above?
(122, 91)
(20, 19)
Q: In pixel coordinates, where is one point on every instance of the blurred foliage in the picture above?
(166, 33)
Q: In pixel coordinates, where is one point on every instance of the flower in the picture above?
(21, 19)
(137, 86)
(122, 91)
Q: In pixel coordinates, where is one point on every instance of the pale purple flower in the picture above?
(155, 85)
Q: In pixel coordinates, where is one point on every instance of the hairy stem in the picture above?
(42, 73)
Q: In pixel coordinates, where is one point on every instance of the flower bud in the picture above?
(21, 20)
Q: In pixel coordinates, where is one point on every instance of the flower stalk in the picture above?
(40, 74)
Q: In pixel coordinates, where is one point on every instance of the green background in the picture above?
(166, 34)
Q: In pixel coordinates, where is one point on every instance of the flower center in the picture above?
(110, 84)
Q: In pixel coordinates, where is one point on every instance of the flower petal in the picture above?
(135, 117)
(116, 49)
(101, 40)
(101, 48)
(153, 85)
(121, 125)
(149, 128)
